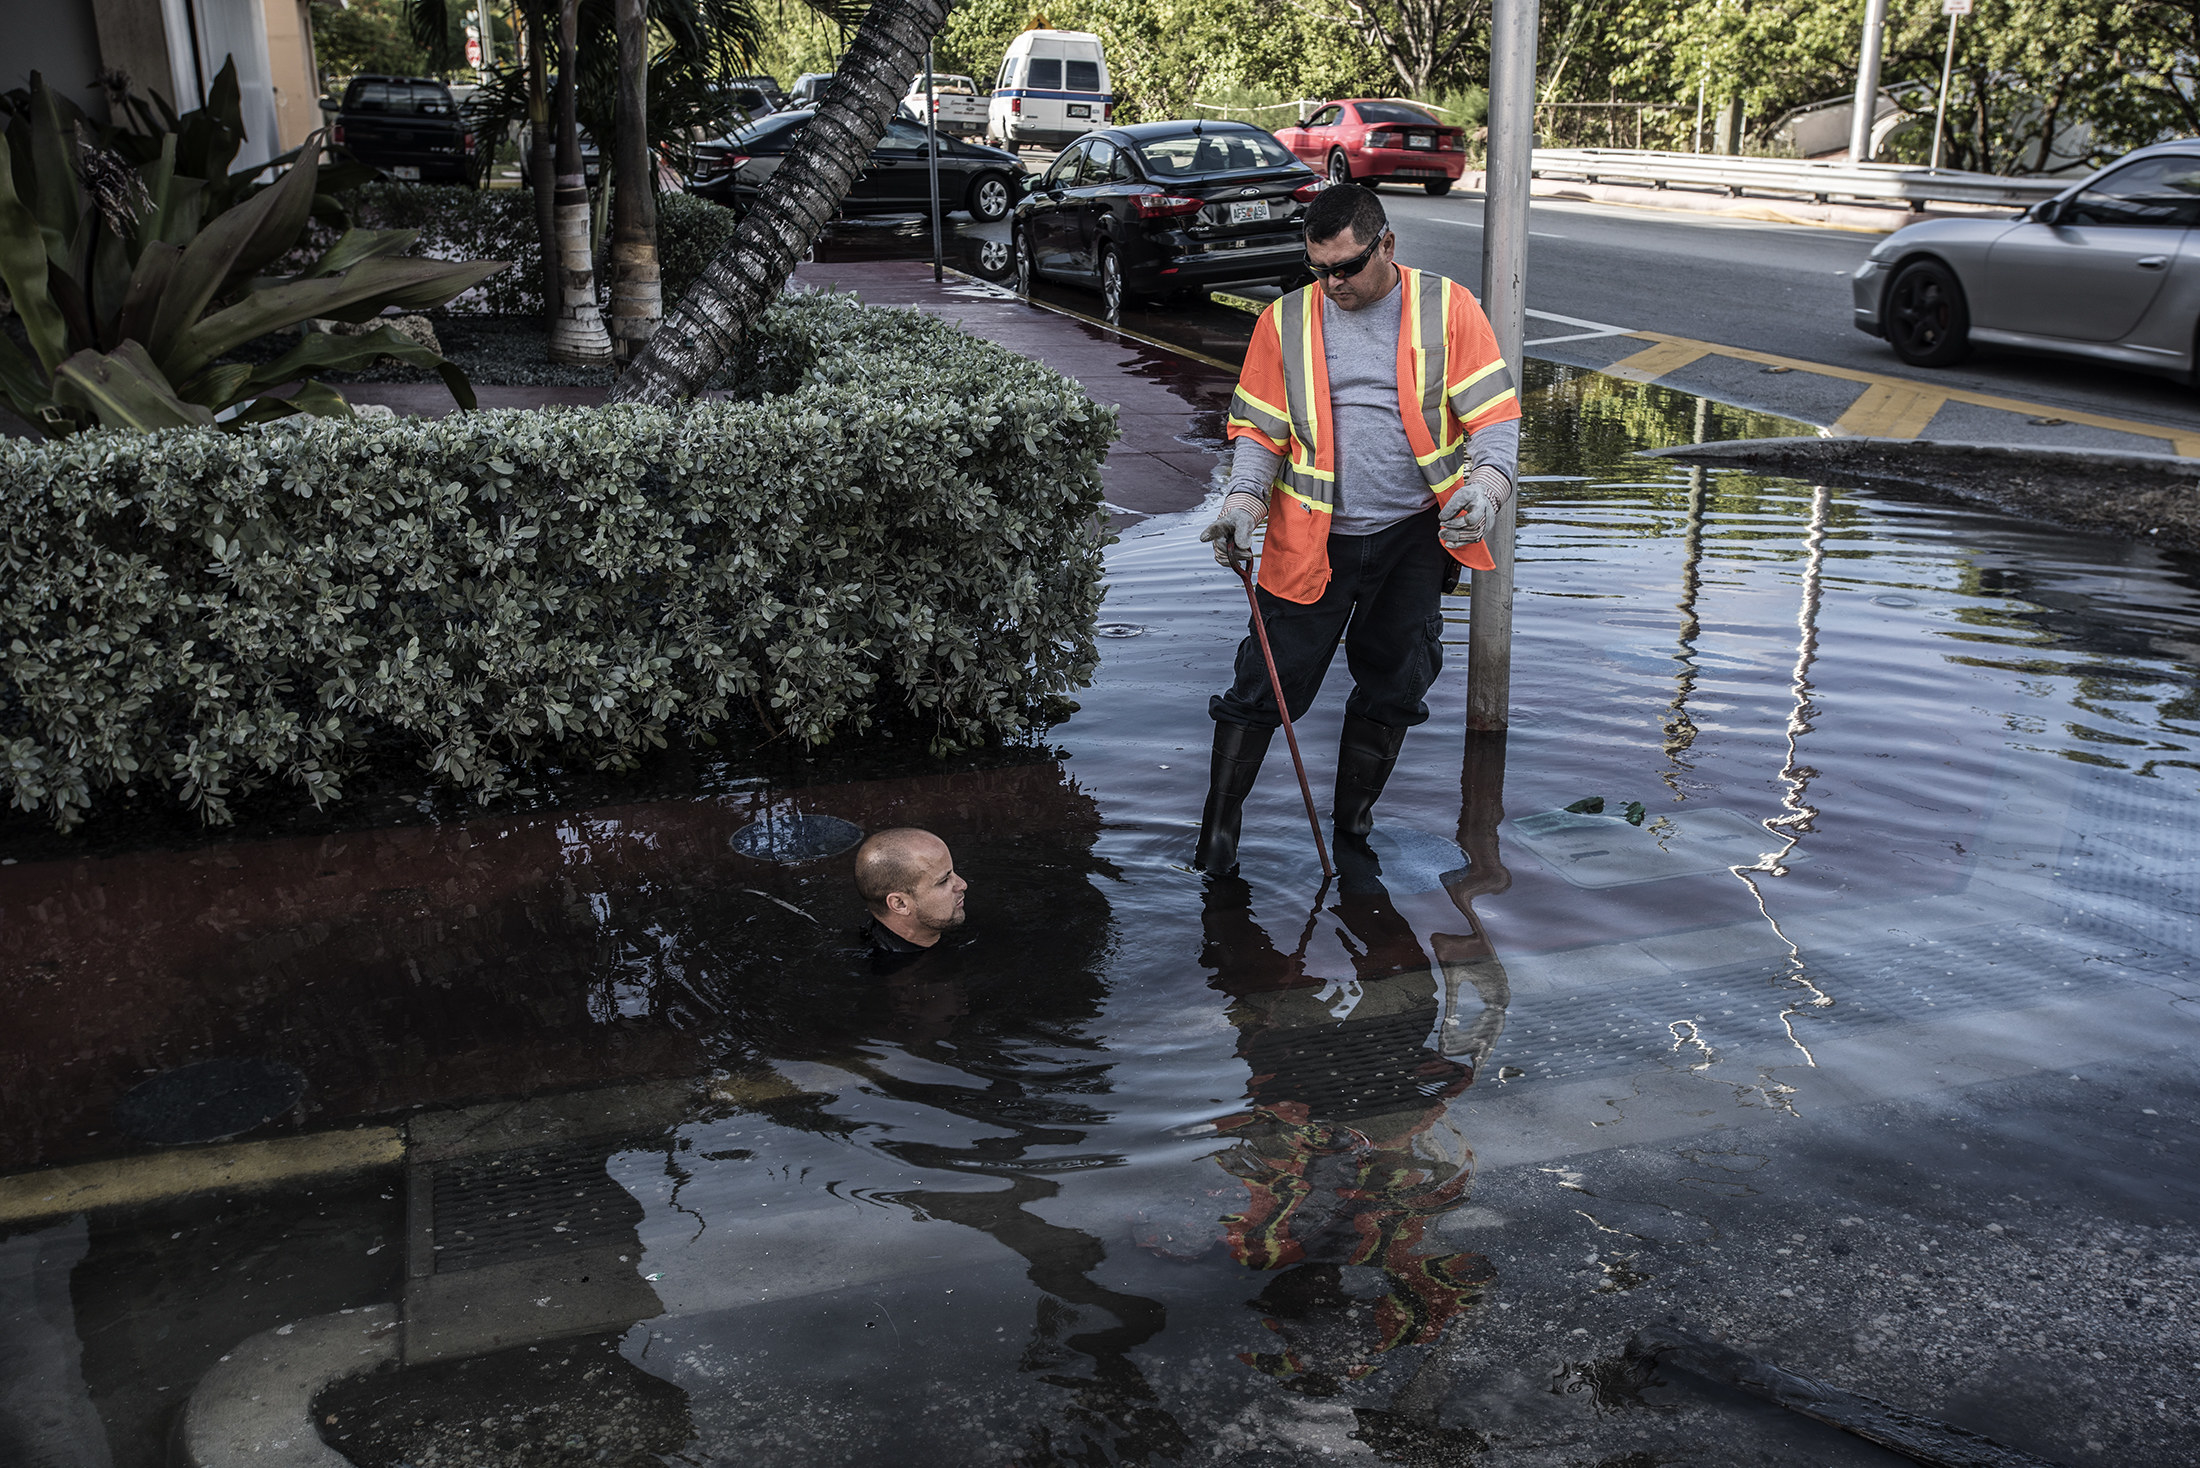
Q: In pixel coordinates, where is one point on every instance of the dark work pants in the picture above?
(1384, 598)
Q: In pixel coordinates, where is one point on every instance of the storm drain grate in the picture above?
(527, 1205)
(1357, 1067)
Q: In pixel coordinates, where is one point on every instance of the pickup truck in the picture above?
(961, 110)
(409, 127)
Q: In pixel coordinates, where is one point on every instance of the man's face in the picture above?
(1365, 286)
(935, 900)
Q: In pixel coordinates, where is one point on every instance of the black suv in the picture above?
(408, 127)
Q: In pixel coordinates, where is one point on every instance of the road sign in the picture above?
(473, 43)
(1955, 7)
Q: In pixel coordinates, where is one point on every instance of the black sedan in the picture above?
(986, 181)
(1160, 208)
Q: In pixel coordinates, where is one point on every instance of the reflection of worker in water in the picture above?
(1375, 428)
(1347, 1153)
(907, 879)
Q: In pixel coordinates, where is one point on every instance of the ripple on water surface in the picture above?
(1750, 981)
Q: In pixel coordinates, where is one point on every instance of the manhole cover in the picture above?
(1118, 629)
(791, 838)
(209, 1101)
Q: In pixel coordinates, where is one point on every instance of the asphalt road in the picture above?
(1741, 283)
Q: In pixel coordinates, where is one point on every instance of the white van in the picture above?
(1053, 89)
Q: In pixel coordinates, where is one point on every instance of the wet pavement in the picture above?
(1869, 1047)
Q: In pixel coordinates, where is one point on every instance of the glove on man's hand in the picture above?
(1232, 532)
(1473, 509)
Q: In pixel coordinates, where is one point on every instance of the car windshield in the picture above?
(1196, 155)
(414, 99)
(1395, 112)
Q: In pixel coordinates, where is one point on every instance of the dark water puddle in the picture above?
(1870, 1045)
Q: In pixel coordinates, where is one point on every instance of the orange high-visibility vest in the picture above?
(1451, 381)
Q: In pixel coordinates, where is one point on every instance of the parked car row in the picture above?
(986, 181)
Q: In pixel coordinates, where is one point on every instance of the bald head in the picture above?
(907, 879)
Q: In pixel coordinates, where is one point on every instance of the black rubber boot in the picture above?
(1239, 749)
(1364, 758)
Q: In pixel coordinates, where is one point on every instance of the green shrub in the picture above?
(894, 517)
(499, 224)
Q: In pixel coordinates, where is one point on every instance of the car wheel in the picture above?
(1437, 187)
(990, 197)
(1111, 283)
(1340, 167)
(1928, 323)
(1026, 270)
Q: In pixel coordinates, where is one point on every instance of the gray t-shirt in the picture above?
(1379, 482)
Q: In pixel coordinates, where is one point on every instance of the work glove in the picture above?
(1232, 532)
(1471, 511)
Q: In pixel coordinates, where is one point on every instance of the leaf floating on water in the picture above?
(1588, 805)
(1634, 812)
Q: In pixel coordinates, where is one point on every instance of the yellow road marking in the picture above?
(1242, 303)
(1652, 363)
(127, 1181)
(1887, 410)
(2183, 441)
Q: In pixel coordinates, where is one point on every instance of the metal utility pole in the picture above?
(1513, 26)
(1954, 10)
(488, 37)
(1867, 82)
(932, 162)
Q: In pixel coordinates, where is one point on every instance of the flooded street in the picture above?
(1813, 965)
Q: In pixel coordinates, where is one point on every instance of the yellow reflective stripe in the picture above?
(1270, 409)
(1450, 450)
(1497, 364)
(1428, 327)
(1311, 504)
(1481, 408)
(1293, 349)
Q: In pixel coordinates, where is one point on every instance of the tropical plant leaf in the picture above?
(56, 197)
(363, 291)
(356, 245)
(156, 267)
(1588, 805)
(218, 386)
(24, 268)
(21, 380)
(233, 242)
(325, 350)
(124, 389)
(316, 399)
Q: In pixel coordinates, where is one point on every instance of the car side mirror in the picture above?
(2047, 211)
(330, 104)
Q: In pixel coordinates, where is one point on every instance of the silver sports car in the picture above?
(2108, 270)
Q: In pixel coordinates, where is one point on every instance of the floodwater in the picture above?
(1867, 1044)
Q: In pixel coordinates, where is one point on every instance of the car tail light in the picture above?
(1382, 140)
(468, 143)
(1016, 104)
(336, 135)
(1167, 206)
(1305, 193)
(1107, 111)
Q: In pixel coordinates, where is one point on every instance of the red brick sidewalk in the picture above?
(1171, 405)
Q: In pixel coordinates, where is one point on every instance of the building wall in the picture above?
(58, 42)
(291, 70)
(133, 39)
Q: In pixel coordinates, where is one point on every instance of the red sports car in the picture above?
(1374, 142)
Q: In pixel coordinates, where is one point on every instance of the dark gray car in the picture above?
(2108, 270)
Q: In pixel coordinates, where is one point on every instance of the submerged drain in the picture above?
(210, 1101)
(527, 1206)
(1356, 1068)
(1118, 629)
(791, 838)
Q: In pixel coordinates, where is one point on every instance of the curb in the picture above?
(1840, 452)
(256, 1405)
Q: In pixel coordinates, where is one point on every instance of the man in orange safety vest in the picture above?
(1375, 428)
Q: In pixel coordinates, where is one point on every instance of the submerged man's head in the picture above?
(907, 879)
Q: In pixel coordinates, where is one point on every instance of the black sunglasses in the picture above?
(1350, 267)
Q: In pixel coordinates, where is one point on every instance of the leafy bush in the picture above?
(894, 517)
(499, 224)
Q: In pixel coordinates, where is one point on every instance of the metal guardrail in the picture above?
(1819, 182)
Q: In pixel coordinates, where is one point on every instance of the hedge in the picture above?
(499, 224)
(891, 515)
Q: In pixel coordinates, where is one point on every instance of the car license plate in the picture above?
(1420, 140)
(405, 170)
(1080, 109)
(1248, 212)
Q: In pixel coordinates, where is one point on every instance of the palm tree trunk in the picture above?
(637, 297)
(577, 335)
(733, 290)
(541, 169)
